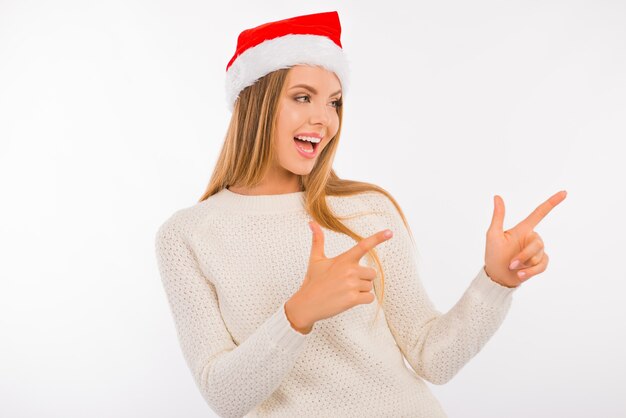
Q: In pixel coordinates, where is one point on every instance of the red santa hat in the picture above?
(310, 39)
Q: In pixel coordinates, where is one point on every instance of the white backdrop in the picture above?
(111, 117)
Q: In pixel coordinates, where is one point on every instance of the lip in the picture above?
(313, 134)
(308, 155)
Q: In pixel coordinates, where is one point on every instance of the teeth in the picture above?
(303, 150)
(309, 138)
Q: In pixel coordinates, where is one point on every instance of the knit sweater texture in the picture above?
(229, 263)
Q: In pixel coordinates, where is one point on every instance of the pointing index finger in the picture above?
(542, 210)
(366, 244)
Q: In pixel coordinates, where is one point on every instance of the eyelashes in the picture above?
(338, 102)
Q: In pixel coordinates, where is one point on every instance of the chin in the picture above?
(302, 169)
(302, 172)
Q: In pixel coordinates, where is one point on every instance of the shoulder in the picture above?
(182, 222)
(369, 200)
(378, 201)
(366, 203)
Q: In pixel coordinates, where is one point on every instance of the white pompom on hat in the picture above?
(313, 39)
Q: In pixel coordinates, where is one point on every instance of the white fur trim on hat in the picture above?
(284, 52)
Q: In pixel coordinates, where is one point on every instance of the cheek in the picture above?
(334, 126)
(285, 129)
(288, 120)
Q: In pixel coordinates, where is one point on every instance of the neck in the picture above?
(265, 203)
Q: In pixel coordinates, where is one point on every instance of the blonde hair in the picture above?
(252, 128)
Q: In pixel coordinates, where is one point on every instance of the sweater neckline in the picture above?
(276, 203)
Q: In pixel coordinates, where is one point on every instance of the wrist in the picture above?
(496, 280)
(294, 317)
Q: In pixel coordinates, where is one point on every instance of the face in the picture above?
(308, 106)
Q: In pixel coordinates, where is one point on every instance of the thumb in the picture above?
(317, 248)
(497, 219)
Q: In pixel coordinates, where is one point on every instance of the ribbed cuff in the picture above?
(282, 333)
(488, 290)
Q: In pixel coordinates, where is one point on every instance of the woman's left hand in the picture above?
(520, 244)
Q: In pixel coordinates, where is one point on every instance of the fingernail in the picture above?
(514, 264)
(388, 234)
(521, 274)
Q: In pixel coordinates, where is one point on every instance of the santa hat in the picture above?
(310, 39)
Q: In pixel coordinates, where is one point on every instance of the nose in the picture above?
(320, 113)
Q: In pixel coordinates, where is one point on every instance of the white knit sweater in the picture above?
(228, 265)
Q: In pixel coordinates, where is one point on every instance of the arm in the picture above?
(232, 379)
(436, 345)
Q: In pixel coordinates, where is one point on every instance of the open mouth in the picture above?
(306, 146)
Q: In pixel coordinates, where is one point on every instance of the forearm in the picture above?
(450, 340)
(233, 383)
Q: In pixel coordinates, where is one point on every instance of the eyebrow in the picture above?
(306, 86)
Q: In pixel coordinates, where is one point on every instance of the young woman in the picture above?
(278, 320)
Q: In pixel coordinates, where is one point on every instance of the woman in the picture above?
(274, 320)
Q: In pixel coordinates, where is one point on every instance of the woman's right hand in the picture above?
(332, 285)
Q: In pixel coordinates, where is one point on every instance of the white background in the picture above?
(111, 117)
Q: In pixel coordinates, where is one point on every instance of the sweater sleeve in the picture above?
(232, 379)
(436, 345)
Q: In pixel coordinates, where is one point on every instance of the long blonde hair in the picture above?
(252, 128)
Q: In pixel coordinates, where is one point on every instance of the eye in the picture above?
(300, 97)
(336, 103)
